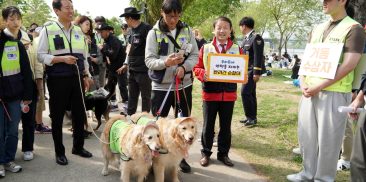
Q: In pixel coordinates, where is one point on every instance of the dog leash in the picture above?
(164, 101)
(6, 111)
(82, 98)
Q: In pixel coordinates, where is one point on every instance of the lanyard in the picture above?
(68, 41)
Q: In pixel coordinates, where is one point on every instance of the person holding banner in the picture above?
(218, 97)
(320, 126)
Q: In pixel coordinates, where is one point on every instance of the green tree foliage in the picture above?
(153, 8)
(116, 24)
(194, 11)
(33, 11)
(288, 18)
(37, 12)
(205, 9)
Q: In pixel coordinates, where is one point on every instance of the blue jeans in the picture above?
(9, 131)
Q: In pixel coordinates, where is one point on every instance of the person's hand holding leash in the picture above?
(70, 59)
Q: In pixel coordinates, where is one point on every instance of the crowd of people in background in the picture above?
(74, 56)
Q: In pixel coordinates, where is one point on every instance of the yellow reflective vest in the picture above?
(10, 61)
(337, 35)
(59, 45)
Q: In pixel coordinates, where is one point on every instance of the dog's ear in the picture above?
(138, 132)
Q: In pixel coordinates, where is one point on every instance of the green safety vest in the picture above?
(10, 62)
(77, 40)
(117, 130)
(337, 35)
(209, 48)
(144, 121)
(184, 36)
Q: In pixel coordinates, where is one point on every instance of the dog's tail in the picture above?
(109, 124)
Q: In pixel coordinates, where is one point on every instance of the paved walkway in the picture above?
(43, 167)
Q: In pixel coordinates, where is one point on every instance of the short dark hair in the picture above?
(56, 4)
(226, 19)
(169, 6)
(100, 19)
(350, 11)
(10, 11)
(34, 24)
(347, 4)
(133, 16)
(247, 21)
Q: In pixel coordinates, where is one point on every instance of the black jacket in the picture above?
(114, 50)
(137, 40)
(254, 46)
(19, 86)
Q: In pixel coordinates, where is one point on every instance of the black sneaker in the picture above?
(184, 166)
(251, 122)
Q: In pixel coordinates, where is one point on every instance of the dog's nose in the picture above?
(191, 138)
(157, 148)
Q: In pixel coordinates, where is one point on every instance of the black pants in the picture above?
(139, 82)
(225, 111)
(358, 157)
(113, 79)
(157, 98)
(28, 123)
(249, 97)
(64, 92)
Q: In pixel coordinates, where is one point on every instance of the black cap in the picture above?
(104, 26)
(130, 11)
(99, 19)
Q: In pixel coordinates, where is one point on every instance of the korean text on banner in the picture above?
(231, 68)
(321, 60)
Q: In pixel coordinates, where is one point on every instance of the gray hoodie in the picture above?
(156, 62)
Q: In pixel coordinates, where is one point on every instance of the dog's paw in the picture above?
(105, 172)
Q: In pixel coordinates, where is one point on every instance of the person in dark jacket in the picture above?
(16, 91)
(113, 50)
(138, 80)
(253, 46)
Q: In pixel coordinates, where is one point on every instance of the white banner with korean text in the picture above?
(321, 60)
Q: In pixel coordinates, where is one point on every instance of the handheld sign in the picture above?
(321, 60)
(232, 68)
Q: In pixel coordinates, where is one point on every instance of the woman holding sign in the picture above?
(218, 97)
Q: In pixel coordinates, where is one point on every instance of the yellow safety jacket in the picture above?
(10, 62)
(337, 35)
(59, 45)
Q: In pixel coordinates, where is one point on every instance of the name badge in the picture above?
(10, 49)
(77, 36)
(12, 56)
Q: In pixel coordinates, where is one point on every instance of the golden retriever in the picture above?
(177, 135)
(139, 143)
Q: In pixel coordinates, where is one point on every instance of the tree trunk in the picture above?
(360, 13)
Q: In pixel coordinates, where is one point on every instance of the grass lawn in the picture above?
(267, 147)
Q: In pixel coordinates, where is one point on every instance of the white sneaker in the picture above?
(12, 167)
(28, 155)
(295, 177)
(214, 144)
(296, 151)
(2, 171)
(343, 165)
